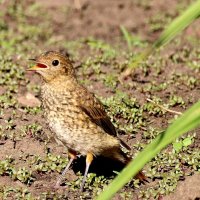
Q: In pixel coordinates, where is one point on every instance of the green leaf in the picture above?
(188, 121)
(187, 141)
(177, 146)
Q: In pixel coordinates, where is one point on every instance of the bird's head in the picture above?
(51, 65)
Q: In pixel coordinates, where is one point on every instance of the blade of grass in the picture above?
(175, 27)
(126, 35)
(188, 121)
(180, 23)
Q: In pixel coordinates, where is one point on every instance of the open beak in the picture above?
(37, 67)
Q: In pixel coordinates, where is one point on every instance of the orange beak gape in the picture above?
(37, 67)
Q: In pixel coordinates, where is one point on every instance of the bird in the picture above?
(76, 118)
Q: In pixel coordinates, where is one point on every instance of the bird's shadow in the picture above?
(101, 166)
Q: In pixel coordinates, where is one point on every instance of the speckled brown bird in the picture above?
(75, 116)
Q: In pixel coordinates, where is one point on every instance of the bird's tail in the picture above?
(117, 154)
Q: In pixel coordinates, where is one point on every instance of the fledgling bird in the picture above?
(77, 119)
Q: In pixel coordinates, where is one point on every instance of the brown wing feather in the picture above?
(92, 107)
(99, 117)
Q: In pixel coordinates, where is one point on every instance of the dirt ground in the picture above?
(88, 33)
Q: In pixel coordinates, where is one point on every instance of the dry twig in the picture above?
(164, 108)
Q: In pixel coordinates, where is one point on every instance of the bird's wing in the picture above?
(99, 117)
(97, 114)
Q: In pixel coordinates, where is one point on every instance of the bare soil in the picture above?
(100, 20)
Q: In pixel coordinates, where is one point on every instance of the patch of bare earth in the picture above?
(101, 20)
(187, 189)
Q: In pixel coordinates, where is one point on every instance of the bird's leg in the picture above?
(89, 159)
(72, 156)
(140, 175)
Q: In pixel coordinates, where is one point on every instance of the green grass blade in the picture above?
(180, 23)
(188, 121)
(176, 26)
(126, 36)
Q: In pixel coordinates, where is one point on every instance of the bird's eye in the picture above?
(55, 63)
